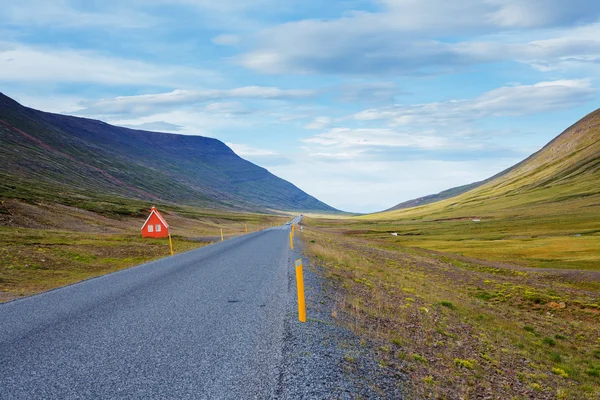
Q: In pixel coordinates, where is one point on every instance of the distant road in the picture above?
(205, 324)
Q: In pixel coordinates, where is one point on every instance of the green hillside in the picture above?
(69, 159)
(543, 212)
(564, 176)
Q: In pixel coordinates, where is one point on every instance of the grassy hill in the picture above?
(569, 163)
(542, 212)
(567, 168)
(432, 198)
(85, 162)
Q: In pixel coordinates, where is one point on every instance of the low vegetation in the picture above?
(459, 327)
(45, 245)
(492, 293)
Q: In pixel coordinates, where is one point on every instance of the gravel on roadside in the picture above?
(320, 358)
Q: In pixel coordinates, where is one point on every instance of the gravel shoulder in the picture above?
(320, 358)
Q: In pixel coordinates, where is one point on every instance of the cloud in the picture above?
(443, 130)
(226, 40)
(419, 37)
(505, 101)
(228, 108)
(61, 14)
(27, 64)
(263, 157)
(363, 138)
(369, 92)
(158, 126)
(148, 103)
(245, 150)
(319, 123)
(374, 185)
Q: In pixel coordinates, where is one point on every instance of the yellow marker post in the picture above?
(246, 225)
(291, 241)
(171, 244)
(300, 285)
(222, 238)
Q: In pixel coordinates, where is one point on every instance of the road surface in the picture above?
(206, 324)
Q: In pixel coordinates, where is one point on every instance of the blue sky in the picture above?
(362, 103)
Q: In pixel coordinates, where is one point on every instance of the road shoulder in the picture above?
(322, 359)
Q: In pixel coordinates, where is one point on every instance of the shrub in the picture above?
(448, 305)
(469, 364)
(560, 372)
(593, 371)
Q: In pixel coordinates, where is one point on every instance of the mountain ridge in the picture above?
(91, 156)
(575, 151)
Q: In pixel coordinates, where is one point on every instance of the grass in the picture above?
(34, 260)
(473, 329)
(46, 245)
(567, 241)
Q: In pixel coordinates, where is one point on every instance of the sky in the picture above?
(361, 103)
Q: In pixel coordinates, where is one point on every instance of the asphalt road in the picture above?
(206, 324)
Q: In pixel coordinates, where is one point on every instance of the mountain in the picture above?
(59, 157)
(432, 198)
(567, 168)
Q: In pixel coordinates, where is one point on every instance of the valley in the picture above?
(488, 290)
(492, 293)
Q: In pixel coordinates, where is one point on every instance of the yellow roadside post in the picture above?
(222, 238)
(171, 244)
(300, 286)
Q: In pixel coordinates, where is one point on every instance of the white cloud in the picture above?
(505, 101)
(226, 40)
(262, 157)
(157, 126)
(20, 63)
(364, 138)
(418, 37)
(227, 108)
(369, 186)
(380, 92)
(244, 150)
(61, 14)
(149, 103)
(192, 122)
(319, 123)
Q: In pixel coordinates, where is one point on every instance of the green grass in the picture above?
(492, 328)
(542, 213)
(567, 237)
(48, 245)
(34, 260)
